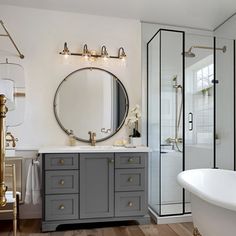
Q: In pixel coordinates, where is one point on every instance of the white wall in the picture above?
(40, 34)
(228, 29)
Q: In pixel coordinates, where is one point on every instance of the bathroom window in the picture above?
(204, 76)
(203, 103)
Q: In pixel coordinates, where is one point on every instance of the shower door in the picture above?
(199, 104)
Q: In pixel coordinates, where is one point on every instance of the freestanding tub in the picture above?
(213, 200)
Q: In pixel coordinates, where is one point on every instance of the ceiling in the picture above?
(203, 14)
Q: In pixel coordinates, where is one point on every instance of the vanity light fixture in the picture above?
(104, 53)
(65, 51)
(86, 52)
(92, 54)
(121, 53)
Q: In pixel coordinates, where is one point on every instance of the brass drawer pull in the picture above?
(130, 160)
(130, 179)
(61, 207)
(62, 162)
(62, 182)
(130, 204)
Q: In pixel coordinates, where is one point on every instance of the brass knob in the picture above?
(61, 207)
(130, 204)
(62, 162)
(130, 179)
(111, 161)
(130, 160)
(62, 182)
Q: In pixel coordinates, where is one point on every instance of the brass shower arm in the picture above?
(11, 39)
(223, 49)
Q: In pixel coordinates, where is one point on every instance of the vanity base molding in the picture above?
(94, 187)
(48, 226)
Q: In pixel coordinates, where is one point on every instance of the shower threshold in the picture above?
(171, 211)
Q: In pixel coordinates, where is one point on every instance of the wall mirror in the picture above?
(91, 99)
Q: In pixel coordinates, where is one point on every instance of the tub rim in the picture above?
(231, 205)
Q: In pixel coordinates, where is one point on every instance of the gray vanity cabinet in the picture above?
(96, 185)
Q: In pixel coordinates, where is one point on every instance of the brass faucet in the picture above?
(11, 138)
(92, 138)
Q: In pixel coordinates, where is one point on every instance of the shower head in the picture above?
(189, 53)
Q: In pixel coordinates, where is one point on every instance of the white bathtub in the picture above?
(213, 200)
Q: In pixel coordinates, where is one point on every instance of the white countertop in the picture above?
(89, 149)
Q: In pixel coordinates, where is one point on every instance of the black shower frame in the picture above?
(214, 108)
(234, 85)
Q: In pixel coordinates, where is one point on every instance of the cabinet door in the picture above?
(96, 185)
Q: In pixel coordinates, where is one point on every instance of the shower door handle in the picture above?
(190, 121)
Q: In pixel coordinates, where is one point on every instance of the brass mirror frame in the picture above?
(126, 105)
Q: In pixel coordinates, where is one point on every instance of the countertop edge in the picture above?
(90, 150)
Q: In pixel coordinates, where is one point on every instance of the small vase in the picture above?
(136, 141)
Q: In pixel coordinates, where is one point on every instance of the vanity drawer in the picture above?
(130, 204)
(129, 179)
(130, 160)
(62, 181)
(60, 161)
(62, 207)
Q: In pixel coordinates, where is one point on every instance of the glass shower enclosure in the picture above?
(185, 127)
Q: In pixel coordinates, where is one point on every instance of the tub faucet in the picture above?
(92, 138)
(11, 139)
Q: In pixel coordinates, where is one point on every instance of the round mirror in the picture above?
(91, 99)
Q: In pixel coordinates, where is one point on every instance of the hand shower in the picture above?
(178, 111)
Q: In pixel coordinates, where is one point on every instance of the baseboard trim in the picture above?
(170, 219)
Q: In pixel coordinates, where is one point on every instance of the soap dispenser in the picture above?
(72, 140)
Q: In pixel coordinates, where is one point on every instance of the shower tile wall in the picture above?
(168, 111)
(203, 108)
(171, 161)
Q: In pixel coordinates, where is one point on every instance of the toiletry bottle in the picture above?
(72, 140)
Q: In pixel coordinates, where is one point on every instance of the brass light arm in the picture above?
(3, 111)
(11, 39)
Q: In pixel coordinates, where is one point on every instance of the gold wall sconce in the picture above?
(93, 54)
(7, 34)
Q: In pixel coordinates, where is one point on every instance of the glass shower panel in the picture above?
(154, 122)
(171, 94)
(225, 103)
(199, 104)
